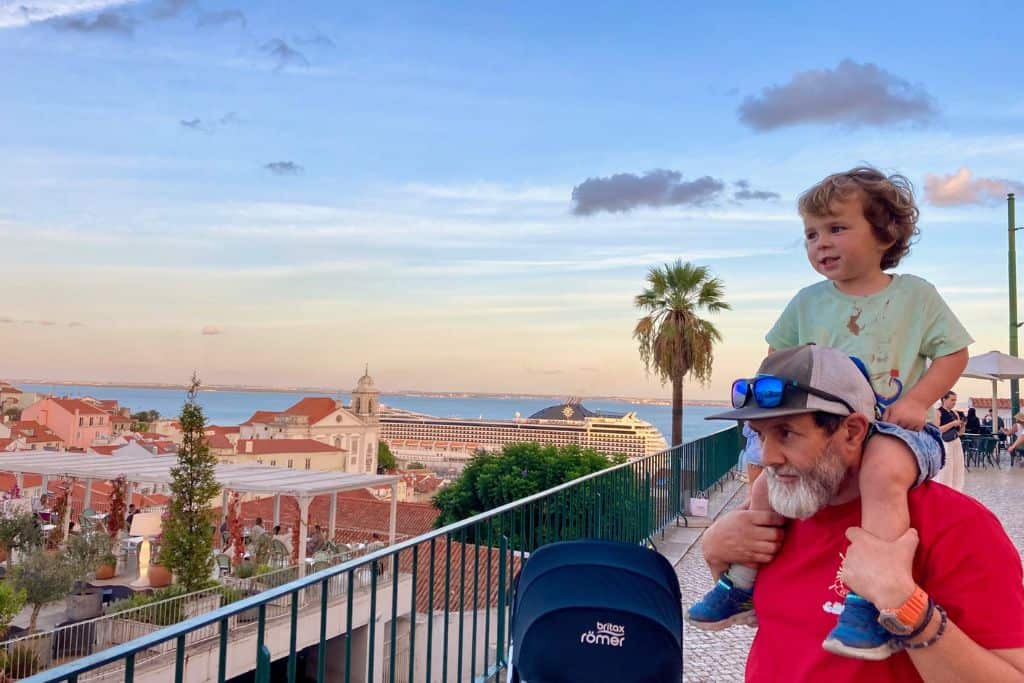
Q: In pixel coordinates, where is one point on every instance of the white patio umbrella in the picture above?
(994, 366)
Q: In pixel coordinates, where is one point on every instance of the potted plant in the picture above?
(160, 575)
(83, 554)
(107, 567)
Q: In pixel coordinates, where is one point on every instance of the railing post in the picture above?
(675, 466)
(502, 578)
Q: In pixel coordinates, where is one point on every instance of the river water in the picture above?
(233, 407)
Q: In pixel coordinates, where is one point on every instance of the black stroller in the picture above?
(596, 611)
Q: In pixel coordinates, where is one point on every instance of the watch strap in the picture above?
(912, 610)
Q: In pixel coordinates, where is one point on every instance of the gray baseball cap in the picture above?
(822, 369)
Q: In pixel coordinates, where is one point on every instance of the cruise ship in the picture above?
(427, 439)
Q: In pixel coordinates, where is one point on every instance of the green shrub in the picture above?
(245, 570)
(230, 594)
(165, 615)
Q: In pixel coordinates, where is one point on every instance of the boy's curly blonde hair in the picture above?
(888, 204)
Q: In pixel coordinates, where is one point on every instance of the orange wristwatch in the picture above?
(907, 617)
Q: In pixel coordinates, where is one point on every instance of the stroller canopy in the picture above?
(597, 611)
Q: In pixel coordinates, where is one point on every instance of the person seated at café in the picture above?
(1016, 447)
(132, 511)
(318, 541)
(286, 539)
(257, 528)
(41, 504)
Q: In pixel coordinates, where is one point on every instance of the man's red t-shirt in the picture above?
(965, 562)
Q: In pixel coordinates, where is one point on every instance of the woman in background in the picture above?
(951, 426)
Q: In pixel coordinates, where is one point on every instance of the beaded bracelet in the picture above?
(924, 622)
(934, 639)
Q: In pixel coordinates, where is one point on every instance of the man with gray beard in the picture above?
(950, 590)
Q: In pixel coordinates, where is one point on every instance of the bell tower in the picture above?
(366, 398)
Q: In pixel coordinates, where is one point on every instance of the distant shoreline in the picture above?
(331, 391)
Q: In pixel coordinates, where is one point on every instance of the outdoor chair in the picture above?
(321, 560)
(279, 555)
(223, 563)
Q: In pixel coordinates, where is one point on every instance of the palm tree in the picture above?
(674, 339)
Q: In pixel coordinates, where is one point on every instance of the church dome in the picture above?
(365, 383)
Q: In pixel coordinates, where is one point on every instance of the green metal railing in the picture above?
(434, 607)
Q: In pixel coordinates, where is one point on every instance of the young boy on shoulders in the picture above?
(857, 225)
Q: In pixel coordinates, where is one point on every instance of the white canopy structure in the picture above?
(994, 366)
(303, 485)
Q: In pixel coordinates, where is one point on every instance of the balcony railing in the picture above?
(434, 607)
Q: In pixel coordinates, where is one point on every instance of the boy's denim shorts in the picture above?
(926, 445)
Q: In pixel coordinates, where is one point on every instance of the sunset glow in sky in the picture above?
(467, 196)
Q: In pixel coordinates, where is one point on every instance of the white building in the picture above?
(354, 430)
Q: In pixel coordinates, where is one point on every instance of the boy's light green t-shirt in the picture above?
(894, 331)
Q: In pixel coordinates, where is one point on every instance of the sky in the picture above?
(467, 196)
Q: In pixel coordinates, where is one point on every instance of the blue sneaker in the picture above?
(725, 605)
(858, 634)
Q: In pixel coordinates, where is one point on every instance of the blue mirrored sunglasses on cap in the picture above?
(768, 392)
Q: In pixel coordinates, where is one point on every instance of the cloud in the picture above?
(104, 22)
(283, 53)
(626, 191)
(210, 330)
(851, 94)
(657, 188)
(15, 14)
(75, 323)
(197, 124)
(284, 168)
(222, 17)
(963, 188)
(744, 192)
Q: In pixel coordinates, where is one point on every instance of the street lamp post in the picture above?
(1014, 325)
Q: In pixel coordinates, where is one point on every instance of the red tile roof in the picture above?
(120, 419)
(218, 429)
(218, 441)
(105, 450)
(360, 514)
(262, 417)
(315, 408)
(986, 403)
(457, 560)
(269, 446)
(83, 408)
(33, 432)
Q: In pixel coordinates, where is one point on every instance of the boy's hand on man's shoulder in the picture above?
(907, 413)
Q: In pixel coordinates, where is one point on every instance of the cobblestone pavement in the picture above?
(722, 656)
